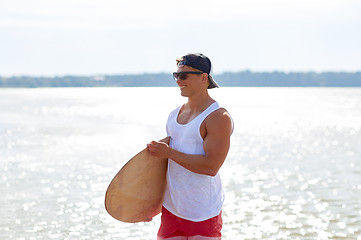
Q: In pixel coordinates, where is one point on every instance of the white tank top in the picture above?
(191, 196)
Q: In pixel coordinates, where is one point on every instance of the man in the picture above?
(199, 133)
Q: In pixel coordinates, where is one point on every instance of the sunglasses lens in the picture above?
(182, 76)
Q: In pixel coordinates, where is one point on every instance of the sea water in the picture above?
(293, 170)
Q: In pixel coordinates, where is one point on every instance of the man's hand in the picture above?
(159, 149)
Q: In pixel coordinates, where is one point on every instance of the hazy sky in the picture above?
(86, 37)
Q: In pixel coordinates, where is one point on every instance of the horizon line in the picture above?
(155, 73)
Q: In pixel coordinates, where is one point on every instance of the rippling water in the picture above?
(293, 170)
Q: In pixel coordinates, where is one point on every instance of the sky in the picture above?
(104, 37)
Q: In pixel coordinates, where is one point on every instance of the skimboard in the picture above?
(136, 192)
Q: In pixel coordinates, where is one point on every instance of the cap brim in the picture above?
(212, 83)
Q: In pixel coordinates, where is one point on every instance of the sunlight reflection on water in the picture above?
(293, 171)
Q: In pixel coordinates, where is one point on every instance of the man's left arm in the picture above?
(216, 145)
(217, 141)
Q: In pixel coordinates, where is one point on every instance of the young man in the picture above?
(199, 133)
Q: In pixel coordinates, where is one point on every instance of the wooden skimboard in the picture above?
(136, 193)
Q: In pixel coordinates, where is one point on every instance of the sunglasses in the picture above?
(184, 75)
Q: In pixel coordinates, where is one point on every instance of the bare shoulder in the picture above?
(219, 119)
(220, 114)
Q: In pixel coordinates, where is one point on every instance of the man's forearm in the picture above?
(200, 164)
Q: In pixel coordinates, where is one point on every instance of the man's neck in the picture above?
(199, 102)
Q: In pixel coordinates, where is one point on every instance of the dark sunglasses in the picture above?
(184, 75)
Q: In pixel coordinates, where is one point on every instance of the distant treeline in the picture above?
(228, 79)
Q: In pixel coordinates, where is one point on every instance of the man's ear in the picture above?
(206, 79)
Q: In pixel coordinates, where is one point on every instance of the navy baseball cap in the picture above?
(202, 63)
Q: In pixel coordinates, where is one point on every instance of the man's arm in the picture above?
(216, 145)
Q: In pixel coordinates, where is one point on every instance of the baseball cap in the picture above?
(202, 63)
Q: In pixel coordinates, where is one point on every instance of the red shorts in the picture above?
(172, 226)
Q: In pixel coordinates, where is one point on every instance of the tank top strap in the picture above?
(213, 107)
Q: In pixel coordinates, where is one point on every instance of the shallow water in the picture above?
(293, 170)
